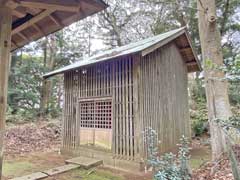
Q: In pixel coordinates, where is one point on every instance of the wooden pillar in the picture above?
(137, 123)
(5, 47)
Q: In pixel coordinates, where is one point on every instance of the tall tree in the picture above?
(216, 84)
(44, 88)
(49, 64)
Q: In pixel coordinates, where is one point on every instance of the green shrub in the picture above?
(168, 166)
(199, 119)
(198, 128)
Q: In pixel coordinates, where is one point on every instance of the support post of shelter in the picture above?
(5, 47)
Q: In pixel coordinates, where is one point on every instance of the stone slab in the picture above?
(85, 162)
(61, 169)
(34, 176)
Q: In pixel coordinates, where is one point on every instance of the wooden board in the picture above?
(5, 45)
(85, 162)
(34, 176)
(107, 79)
(61, 169)
(163, 98)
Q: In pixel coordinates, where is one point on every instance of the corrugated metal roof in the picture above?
(120, 51)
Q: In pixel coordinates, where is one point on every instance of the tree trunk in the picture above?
(47, 84)
(216, 86)
(5, 47)
(44, 87)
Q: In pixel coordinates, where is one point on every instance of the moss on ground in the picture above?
(16, 168)
(199, 157)
(93, 174)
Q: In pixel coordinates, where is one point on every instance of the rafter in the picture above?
(33, 11)
(56, 21)
(14, 43)
(32, 21)
(39, 29)
(42, 5)
(185, 49)
(191, 63)
(18, 14)
(23, 36)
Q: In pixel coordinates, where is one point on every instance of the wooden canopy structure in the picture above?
(32, 20)
(24, 21)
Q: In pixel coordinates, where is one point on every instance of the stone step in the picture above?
(61, 169)
(85, 162)
(34, 176)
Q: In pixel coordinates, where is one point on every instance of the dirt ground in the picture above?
(34, 147)
(39, 161)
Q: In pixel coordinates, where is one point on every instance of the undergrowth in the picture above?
(168, 166)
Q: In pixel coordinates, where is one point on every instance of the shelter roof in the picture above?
(33, 19)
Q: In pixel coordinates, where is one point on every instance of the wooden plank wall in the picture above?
(163, 96)
(108, 79)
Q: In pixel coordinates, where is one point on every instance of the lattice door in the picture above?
(95, 120)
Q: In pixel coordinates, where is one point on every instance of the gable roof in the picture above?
(33, 19)
(143, 47)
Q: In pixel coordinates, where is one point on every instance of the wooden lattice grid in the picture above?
(96, 113)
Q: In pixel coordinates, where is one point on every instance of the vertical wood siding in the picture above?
(109, 79)
(163, 96)
(149, 91)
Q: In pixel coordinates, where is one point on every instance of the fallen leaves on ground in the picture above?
(32, 137)
(219, 170)
(43, 136)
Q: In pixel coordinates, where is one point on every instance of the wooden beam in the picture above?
(56, 21)
(191, 63)
(45, 5)
(93, 4)
(185, 49)
(14, 43)
(23, 36)
(18, 14)
(32, 21)
(39, 29)
(33, 11)
(5, 47)
(11, 4)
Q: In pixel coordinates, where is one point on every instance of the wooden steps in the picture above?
(34, 176)
(85, 162)
(61, 169)
(74, 163)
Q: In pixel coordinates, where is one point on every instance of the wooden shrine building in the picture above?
(112, 97)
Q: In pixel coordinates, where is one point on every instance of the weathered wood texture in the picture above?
(163, 96)
(5, 46)
(149, 91)
(109, 79)
(33, 19)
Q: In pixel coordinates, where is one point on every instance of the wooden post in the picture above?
(137, 122)
(5, 46)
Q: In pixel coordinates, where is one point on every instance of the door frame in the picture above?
(78, 115)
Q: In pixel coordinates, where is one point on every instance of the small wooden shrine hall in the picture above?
(112, 97)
